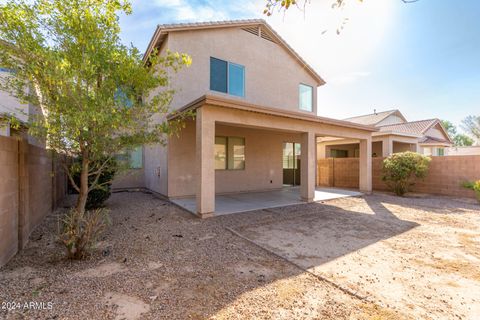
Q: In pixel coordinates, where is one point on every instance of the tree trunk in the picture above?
(83, 193)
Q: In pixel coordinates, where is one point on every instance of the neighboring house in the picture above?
(256, 123)
(11, 106)
(395, 134)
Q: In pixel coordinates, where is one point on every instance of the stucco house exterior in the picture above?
(255, 126)
(12, 107)
(395, 134)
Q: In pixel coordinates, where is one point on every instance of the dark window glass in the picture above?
(218, 75)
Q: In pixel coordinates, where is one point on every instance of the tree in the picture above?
(459, 139)
(401, 169)
(462, 140)
(471, 125)
(450, 128)
(89, 86)
(284, 5)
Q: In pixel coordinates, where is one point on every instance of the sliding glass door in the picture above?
(291, 163)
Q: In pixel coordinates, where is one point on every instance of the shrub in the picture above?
(80, 232)
(401, 169)
(102, 192)
(475, 186)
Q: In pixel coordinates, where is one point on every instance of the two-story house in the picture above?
(255, 126)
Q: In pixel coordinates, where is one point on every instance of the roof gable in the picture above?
(375, 118)
(258, 27)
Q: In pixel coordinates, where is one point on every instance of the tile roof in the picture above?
(231, 23)
(416, 127)
(371, 119)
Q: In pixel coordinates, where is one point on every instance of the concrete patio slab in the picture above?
(249, 201)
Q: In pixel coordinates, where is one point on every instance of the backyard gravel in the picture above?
(157, 261)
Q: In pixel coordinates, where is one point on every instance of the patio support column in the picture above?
(205, 164)
(366, 165)
(387, 147)
(308, 159)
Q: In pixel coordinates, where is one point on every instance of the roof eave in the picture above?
(222, 102)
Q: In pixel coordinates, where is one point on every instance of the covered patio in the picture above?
(249, 201)
(229, 158)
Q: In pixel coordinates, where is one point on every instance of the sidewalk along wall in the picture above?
(446, 175)
(32, 185)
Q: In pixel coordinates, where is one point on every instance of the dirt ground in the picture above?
(156, 262)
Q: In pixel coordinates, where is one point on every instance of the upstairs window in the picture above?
(305, 101)
(227, 77)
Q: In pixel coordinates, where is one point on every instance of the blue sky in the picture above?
(422, 58)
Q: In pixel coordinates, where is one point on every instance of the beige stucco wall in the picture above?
(263, 161)
(272, 76)
(11, 105)
(156, 168)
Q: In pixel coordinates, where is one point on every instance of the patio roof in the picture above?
(241, 105)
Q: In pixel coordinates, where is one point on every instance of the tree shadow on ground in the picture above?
(183, 267)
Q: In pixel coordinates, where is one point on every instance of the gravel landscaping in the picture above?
(157, 261)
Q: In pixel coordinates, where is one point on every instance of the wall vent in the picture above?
(252, 30)
(266, 35)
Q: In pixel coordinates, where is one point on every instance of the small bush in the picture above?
(99, 195)
(80, 232)
(401, 169)
(475, 186)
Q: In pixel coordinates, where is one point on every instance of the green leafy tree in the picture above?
(400, 170)
(459, 139)
(284, 5)
(471, 125)
(462, 140)
(450, 128)
(95, 94)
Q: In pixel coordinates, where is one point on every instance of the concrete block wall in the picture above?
(445, 177)
(9, 194)
(32, 184)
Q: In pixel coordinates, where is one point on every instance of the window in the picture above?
(122, 99)
(427, 151)
(305, 97)
(132, 158)
(229, 153)
(227, 77)
(440, 152)
(220, 153)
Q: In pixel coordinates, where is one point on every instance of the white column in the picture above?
(387, 147)
(205, 164)
(308, 164)
(366, 165)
